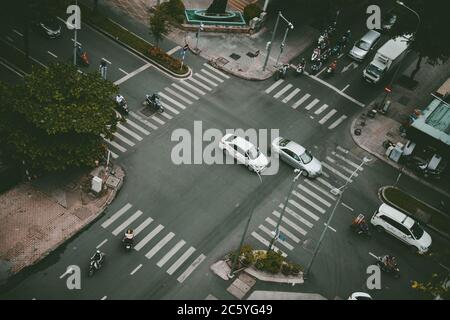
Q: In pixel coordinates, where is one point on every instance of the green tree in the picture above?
(158, 25)
(174, 10)
(251, 11)
(55, 119)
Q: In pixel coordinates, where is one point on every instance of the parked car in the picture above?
(360, 296)
(364, 45)
(402, 227)
(297, 156)
(50, 27)
(244, 152)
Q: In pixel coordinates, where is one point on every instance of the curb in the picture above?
(123, 44)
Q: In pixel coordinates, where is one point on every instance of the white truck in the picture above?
(386, 58)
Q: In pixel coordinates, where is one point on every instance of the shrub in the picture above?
(174, 10)
(250, 11)
(273, 261)
(286, 269)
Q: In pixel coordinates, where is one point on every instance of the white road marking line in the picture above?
(371, 254)
(321, 109)
(104, 298)
(327, 116)
(114, 155)
(116, 215)
(340, 56)
(137, 127)
(114, 144)
(101, 243)
(297, 216)
(312, 104)
(73, 40)
(120, 69)
(165, 105)
(307, 201)
(179, 105)
(158, 120)
(127, 222)
(290, 223)
(132, 74)
(448, 269)
(304, 210)
(17, 32)
(314, 195)
(320, 189)
(171, 253)
(337, 122)
(128, 131)
(11, 69)
(329, 227)
(282, 91)
(355, 165)
(272, 234)
(185, 91)
(341, 166)
(326, 175)
(52, 54)
(345, 88)
(179, 96)
(342, 149)
(291, 95)
(348, 207)
(122, 138)
(191, 268)
(180, 260)
(336, 172)
(142, 226)
(107, 61)
(211, 75)
(276, 84)
(173, 50)
(299, 102)
(166, 115)
(9, 38)
(326, 183)
(187, 84)
(144, 121)
(204, 86)
(21, 51)
(216, 71)
(136, 269)
(205, 79)
(159, 245)
(267, 243)
(284, 230)
(148, 237)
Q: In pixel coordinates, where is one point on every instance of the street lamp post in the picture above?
(298, 172)
(200, 28)
(75, 42)
(334, 191)
(290, 26)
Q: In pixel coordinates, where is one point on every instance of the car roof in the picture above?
(396, 215)
(295, 147)
(242, 143)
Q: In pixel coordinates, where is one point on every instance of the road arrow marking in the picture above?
(352, 64)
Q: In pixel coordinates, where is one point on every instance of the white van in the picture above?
(402, 227)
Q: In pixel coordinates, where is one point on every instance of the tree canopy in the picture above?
(158, 25)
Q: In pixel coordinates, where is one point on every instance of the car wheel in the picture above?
(380, 229)
(250, 168)
(305, 174)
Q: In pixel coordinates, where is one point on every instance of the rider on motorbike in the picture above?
(129, 235)
(389, 262)
(97, 258)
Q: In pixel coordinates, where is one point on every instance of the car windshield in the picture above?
(363, 45)
(374, 70)
(306, 157)
(253, 153)
(284, 142)
(417, 230)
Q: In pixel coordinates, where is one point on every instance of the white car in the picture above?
(244, 152)
(360, 296)
(402, 227)
(297, 156)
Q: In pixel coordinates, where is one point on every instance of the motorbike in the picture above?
(121, 105)
(388, 267)
(420, 167)
(300, 68)
(82, 57)
(128, 240)
(281, 72)
(331, 68)
(96, 264)
(156, 103)
(315, 66)
(336, 50)
(316, 54)
(360, 226)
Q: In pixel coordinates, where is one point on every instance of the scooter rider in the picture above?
(389, 262)
(97, 258)
(120, 100)
(129, 235)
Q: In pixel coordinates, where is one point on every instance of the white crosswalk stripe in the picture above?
(116, 215)
(327, 116)
(312, 104)
(191, 268)
(276, 84)
(127, 222)
(299, 102)
(187, 84)
(290, 223)
(326, 175)
(272, 234)
(336, 172)
(179, 105)
(204, 86)
(167, 107)
(209, 74)
(179, 96)
(291, 95)
(303, 209)
(148, 237)
(158, 120)
(267, 243)
(282, 91)
(185, 91)
(326, 184)
(142, 226)
(114, 144)
(200, 76)
(142, 120)
(324, 192)
(314, 195)
(354, 165)
(284, 230)
(216, 71)
(171, 253)
(337, 122)
(114, 155)
(129, 132)
(159, 245)
(297, 216)
(165, 115)
(343, 150)
(329, 159)
(137, 127)
(321, 109)
(123, 139)
(309, 202)
(180, 260)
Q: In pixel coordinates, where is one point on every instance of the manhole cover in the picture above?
(235, 56)
(147, 112)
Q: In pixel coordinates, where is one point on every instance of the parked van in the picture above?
(402, 227)
(364, 45)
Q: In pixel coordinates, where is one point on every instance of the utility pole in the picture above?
(200, 28)
(290, 26)
(75, 41)
(271, 41)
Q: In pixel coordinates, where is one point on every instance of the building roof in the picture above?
(435, 121)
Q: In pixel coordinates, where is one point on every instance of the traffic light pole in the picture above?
(271, 41)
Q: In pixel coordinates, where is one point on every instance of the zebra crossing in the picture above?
(288, 94)
(175, 99)
(309, 204)
(157, 244)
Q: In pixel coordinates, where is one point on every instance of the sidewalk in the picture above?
(39, 216)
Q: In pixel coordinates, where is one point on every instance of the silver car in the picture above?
(297, 156)
(364, 45)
